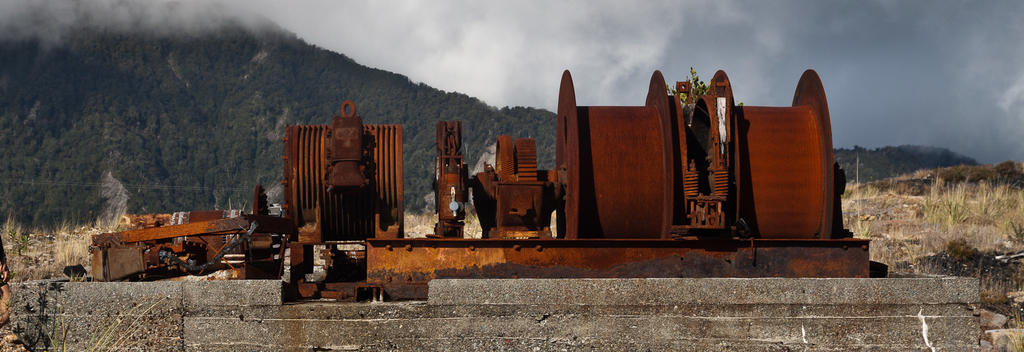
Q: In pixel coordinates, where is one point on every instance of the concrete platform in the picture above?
(525, 314)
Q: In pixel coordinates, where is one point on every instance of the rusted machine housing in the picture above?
(513, 198)
(244, 246)
(698, 187)
(343, 183)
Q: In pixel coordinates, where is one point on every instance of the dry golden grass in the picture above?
(907, 222)
(909, 218)
(904, 226)
(34, 254)
(421, 225)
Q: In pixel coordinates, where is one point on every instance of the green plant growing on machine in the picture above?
(697, 87)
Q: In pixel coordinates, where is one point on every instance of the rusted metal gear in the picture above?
(526, 159)
(505, 158)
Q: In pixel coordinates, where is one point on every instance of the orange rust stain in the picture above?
(427, 259)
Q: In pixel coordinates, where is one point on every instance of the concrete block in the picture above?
(370, 324)
(80, 315)
(704, 291)
(244, 293)
(463, 315)
(97, 297)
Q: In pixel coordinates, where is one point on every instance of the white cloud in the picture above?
(895, 72)
(506, 53)
(1013, 96)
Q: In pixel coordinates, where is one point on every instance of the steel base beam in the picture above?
(396, 264)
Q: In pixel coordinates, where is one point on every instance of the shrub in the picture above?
(1015, 231)
(1008, 170)
(959, 249)
(968, 173)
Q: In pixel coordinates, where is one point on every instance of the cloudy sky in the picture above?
(942, 73)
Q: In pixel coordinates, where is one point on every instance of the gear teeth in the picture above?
(505, 163)
(526, 159)
(721, 183)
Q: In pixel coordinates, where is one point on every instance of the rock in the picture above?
(75, 271)
(1016, 296)
(987, 346)
(11, 342)
(992, 320)
(1006, 339)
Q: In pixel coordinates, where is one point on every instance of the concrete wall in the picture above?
(525, 314)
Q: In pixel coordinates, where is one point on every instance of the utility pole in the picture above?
(858, 168)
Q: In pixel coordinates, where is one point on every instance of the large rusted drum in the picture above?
(615, 164)
(787, 175)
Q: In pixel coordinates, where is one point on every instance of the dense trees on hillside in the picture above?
(194, 122)
(879, 163)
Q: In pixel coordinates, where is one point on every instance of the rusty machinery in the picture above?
(513, 198)
(694, 187)
(342, 185)
(673, 168)
(248, 246)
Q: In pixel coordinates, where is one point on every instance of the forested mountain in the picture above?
(879, 163)
(194, 121)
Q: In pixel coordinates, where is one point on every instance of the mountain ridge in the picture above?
(889, 161)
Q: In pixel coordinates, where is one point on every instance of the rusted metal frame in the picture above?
(730, 245)
(566, 154)
(681, 177)
(236, 241)
(389, 181)
(656, 98)
(400, 266)
(219, 226)
(450, 180)
(810, 92)
(617, 242)
(265, 224)
(288, 209)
